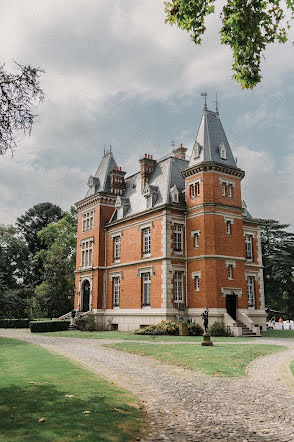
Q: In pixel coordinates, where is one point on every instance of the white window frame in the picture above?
(146, 241)
(116, 248)
(249, 247)
(230, 272)
(192, 190)
(87, 253)
(197, 283)
(251, 291)
(224, 188)
(230, 191)
(146, 289)
(228, 227)
(223, 152)
(178, 238)
(116, 291)
(178, 286)
(88, 221)
(196, 240)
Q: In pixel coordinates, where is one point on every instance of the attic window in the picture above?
(223, 152)
(197, 149)
(174, 194)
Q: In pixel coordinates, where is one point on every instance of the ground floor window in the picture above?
(146, 289)
(116, 290)
(178, 286)
(250, 291)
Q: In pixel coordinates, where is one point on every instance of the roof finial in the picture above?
(110, 148)
(216, 104)
(204, 95)
(173, 144)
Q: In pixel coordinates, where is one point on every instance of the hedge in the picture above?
(48, 326)
(15, 323)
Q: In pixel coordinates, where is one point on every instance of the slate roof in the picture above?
(102, 175)
(210, 137)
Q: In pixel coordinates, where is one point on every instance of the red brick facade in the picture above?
(173, 258)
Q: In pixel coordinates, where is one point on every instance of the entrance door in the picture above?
(86, 296)
(231, 305)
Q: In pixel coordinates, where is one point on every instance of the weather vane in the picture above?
(216, 103)
(204, 95)
(173, 144)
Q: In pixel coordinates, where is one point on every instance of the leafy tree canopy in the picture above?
(55, 294)
(278, 261)
(248, 26)
(18, 92)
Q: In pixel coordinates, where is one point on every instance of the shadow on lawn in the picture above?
(21, 408)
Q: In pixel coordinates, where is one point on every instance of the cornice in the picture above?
(97, 198)
(211, 165)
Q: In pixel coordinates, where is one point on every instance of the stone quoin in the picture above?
(170, 240)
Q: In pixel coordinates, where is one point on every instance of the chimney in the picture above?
(180, 152)
(147, 166)
(117, 180)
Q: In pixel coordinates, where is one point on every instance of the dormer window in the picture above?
(174, 193)
(223, 151)
(197, 149)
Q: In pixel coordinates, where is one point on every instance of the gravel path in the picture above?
(183, 405)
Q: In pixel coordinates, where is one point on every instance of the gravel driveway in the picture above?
(183, 405)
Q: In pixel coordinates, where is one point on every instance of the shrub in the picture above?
(86, 323)
(14, 323)
(195, 329)
(48, 326)
(163, 328)
(219, 329)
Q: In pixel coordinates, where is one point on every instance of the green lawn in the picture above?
(34, 384)
(292, 367)
(219, 360)
(127, 336)
(278, 334)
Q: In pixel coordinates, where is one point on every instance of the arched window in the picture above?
(223, 152)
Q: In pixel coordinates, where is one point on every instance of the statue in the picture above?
(206, 336)
(205, 319)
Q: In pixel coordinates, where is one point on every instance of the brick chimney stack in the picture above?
(180, 152)
(147, 166)
(117, 180)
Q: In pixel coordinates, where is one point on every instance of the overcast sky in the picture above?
(117, 75)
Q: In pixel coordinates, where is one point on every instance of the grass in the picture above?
(278, 334)
(34, 384)
(219, 360)
(292, 367)
(127, 336)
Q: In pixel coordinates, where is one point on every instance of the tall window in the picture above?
(88, 219)
(87, 253)
(230, 191)
(146, 289)
(178, 238)
(248, 247)
(250, 291)
(196, 240)
(178, 286)
(228, 227)
(116, 248)
(224, 188)
(194, 189)
(116, 287)
(146, 241)
(197, 283)
(230, 271)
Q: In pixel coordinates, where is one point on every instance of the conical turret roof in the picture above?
(101, 180)
(211, 143)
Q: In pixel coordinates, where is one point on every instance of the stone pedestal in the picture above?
(183, 329)
(206, 340)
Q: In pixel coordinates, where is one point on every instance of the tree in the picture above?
(278, 261)
(55, 294)
(13, 272)
(18, 92)
(248, 26)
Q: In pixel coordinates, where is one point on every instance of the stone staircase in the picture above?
(246, 332)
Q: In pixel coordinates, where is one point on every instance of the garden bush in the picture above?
(48, 326)
(86, 323)
(219, 329)
(15, 323)
(195, 329)
(163, 328)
